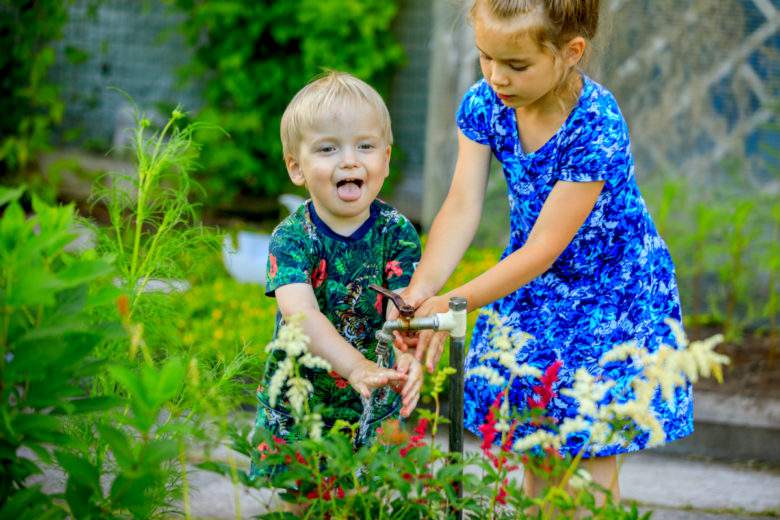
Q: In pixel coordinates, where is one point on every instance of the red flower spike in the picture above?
(544, 391)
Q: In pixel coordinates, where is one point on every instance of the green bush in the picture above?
(250, 59)
(29, 103)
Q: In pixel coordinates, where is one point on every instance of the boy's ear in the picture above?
(294, 170)
(388, 153)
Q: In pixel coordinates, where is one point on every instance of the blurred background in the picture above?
(697, 81)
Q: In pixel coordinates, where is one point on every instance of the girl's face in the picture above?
(523, 74)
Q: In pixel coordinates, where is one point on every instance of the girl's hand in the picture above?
(413, 295)
(410, 393)
(430, 344)
(367, 376)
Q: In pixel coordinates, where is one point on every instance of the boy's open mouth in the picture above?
(349, 189)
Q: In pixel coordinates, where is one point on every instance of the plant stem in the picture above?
(185, 488)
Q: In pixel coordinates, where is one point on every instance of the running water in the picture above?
(382, 359)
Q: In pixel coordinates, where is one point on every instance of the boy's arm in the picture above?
(327, 343)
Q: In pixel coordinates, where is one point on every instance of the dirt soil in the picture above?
(754, 370)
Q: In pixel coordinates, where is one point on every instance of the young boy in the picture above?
(336, 140)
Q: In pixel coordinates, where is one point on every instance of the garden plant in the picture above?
(408, 475)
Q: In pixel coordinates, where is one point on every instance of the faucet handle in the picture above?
(404, 309)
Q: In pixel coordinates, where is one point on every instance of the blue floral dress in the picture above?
(614, 283)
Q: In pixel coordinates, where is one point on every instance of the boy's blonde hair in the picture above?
(326, 94)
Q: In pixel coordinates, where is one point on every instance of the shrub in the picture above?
(252, 57)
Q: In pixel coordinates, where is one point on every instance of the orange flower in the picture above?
(392, 434)
(272, 271)
(123, 305)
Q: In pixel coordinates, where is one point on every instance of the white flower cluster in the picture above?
(292, 340)
(508, 345)
(667, 369)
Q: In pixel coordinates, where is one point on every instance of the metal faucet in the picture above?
(452, 321)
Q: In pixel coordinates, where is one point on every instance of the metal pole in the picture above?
(456, 393)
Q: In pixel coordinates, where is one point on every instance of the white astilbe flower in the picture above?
(541, 438)
(290, 339)
(581, 479)
(503, 413)
(621, 353)
(600, 434)
(283, 370)
(298, 392)
(587, 392)
(314, 422)
(311, 361)
(492, 376)
(573, 425)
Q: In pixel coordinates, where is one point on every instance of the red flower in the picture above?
(417, 439)
(501, 497)
(272, 271)
(393, 268)
(378, 303)
(544, 391)
(300, 458)
(319, 274)
(340, 381)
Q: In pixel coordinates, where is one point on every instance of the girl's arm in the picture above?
(327, 343)
(456, 223)
(562, 215)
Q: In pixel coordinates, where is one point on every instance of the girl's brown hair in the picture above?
(558, 21)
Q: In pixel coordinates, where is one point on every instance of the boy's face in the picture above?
(343, 162)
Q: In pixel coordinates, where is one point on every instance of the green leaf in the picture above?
(80, 470)
(170, 380)
(93, 404)
(120, 444)
(158, 451)
(83, 271)
(10, 194)
(24, 501)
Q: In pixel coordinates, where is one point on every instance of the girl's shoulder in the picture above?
(597, 103)
(477, 112)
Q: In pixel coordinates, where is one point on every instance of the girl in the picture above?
(584, 269)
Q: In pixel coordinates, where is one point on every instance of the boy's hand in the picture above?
(367, 376)
(410, 393)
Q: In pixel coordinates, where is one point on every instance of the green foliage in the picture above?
(47, 347)
(251, 58)
(30, 104)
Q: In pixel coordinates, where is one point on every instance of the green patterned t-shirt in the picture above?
(383, 251)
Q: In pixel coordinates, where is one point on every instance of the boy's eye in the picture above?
(326, 148)
(518, 68)
(366, 146)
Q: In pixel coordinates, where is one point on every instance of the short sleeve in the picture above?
(404, 255)
(290, 255)
(476, 112)
(598, 147)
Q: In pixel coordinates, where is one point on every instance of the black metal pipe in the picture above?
(456, 394)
